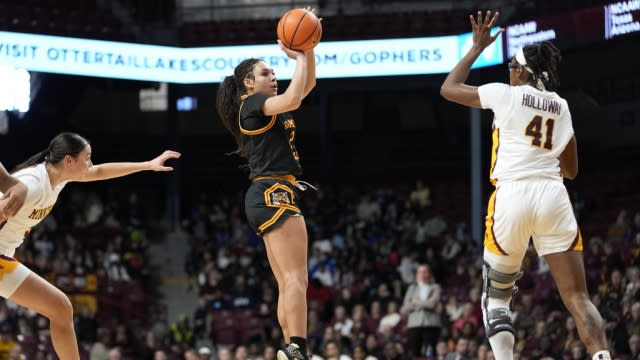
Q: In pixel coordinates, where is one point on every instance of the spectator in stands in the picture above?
(461, 351)
(269, 353)
(190, 354)
(86, 325)
(391, 319)
(204, 353)
(421, 195)
(224, 353)
(248, 104)
(619, 229)
(332, 351)
(634, 347)
(66, 159)
(14, 194)
(181, 332)
(160, 355)
(114, 354)
(421, 303)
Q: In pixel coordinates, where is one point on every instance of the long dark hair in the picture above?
(228, 99)
(62, 145)
(544, 57)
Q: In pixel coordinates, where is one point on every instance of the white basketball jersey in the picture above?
(39, 203)
(531, 128)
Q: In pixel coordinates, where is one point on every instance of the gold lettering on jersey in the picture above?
(537, 103)
(38, 214)
(289, 124)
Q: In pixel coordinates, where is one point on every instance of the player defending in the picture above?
(533, 149)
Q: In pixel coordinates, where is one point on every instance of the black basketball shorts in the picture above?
(270, 201)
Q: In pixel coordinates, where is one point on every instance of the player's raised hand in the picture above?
(481, 27)
(157, 164)
(292, 54)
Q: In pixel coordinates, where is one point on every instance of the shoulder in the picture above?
(30, 176)
(493, 94)
(253, 103)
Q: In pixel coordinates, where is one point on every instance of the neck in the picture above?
(55, 175)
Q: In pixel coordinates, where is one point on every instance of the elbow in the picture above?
(570, 174)
(294, 103)
(445, 92)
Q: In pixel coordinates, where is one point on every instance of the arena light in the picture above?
(15, 89)
(337, 59)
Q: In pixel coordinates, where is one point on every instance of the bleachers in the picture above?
(75, 18)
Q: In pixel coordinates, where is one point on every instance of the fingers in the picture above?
(494, 19)
(495, 36)
(472, 20)
(487, 18)
(170, 154)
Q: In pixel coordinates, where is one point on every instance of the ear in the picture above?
(523, 74)
(248, 82)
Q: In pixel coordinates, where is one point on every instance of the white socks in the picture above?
(602, 355)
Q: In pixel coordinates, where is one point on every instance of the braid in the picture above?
(544, 58)
(228, 100)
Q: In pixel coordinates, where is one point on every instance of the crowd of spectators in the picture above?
(366, 243)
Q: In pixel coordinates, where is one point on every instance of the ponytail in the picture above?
(228, 100)
(34, 160)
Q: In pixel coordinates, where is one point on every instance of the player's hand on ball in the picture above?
(292, 54)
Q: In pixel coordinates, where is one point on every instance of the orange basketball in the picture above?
(299, 29)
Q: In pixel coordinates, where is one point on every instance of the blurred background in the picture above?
(158, 264)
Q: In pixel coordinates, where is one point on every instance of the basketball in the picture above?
(299, 29)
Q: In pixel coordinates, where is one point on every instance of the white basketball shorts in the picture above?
(534, 208)
(12, 275)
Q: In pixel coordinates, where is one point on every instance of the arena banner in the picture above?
(576, 28)
(335, 59)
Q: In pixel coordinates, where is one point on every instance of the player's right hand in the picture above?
(292, 54)
(12, 200)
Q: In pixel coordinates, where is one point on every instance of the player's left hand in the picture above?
(157, 164)
(481, 28)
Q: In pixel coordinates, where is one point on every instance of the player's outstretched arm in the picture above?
(118, 169)
(454, 88)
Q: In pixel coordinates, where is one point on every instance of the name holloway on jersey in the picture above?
(531, 128)
(41, 198)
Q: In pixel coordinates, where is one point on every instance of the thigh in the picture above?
(508, 225)
(39, 295)
(288, 245)
(555, 228)
(568, 272)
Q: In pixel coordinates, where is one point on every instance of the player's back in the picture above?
(531, 128)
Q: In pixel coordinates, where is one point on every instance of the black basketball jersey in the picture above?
(269, 141)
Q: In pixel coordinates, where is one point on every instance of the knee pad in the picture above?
(498, 319)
